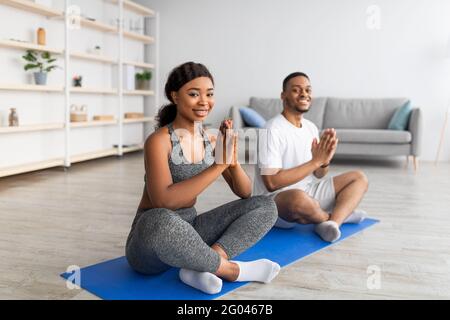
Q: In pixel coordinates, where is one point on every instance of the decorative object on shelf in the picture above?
(78, 113)
(136, 25)
(103, 117)
(134, 115)
(13, 118)
(96, 50)
(77, 80)
(41, 36)
(143, 80)
(43, 62)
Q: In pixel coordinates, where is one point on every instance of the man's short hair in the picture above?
(293, 75)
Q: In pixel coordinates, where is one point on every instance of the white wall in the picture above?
(251, 45)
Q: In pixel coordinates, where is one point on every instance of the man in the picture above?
(294, 154)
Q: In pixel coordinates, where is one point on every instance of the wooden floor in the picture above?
(52, 219)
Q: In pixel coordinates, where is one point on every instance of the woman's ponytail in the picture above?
(166, 115)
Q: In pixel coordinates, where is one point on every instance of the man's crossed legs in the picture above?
(328, 204)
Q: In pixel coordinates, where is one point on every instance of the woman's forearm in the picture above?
(242, 185)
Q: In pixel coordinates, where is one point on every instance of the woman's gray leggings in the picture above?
(161, 238)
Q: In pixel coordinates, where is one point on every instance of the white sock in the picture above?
(357, 216)
(262, 270)
(328, 230)
(283, 224)
(203, 281)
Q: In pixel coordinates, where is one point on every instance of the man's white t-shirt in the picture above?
(287, 146)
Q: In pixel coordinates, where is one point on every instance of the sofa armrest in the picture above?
(238, 122)
(415, 127)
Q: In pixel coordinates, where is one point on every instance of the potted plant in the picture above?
(143, 80)
(42, 62)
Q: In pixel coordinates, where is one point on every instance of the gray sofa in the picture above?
(361, 124)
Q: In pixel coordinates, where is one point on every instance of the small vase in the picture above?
(41, 36)
(40, 78)
(13, 118)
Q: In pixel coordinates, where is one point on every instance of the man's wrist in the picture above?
(316, 164)
(325, 165)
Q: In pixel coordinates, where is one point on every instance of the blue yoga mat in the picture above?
(115, 280)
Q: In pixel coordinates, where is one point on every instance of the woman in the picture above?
(166, 231)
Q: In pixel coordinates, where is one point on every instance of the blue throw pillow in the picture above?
(399, 120)
(251, 117)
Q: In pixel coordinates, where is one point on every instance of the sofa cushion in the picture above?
(269, 108)
(400, 119)
(251, 117)
(373, 136)
(360, 113)
(266, 107)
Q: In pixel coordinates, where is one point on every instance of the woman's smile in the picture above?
(201, 112)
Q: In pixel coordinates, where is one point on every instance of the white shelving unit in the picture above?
(140, 64)
(93, 155)
(26, 46)
(139, 92)
(30, 87)
(138, 37)
(93, 90)
(133, 148)
(135, 7)
(140, 120)
(93, 123)
(22, 168)
(31, 128)
(32, 7)
(69, 92)
(92, 57)
(96, 25)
